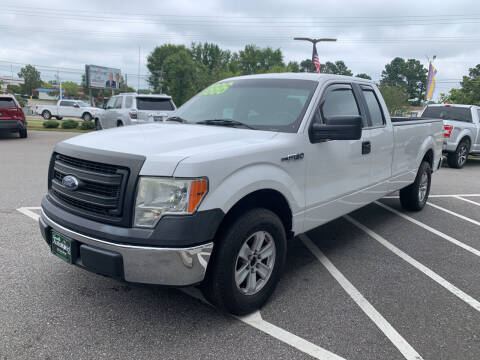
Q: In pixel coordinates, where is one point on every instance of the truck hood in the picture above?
(164, 145)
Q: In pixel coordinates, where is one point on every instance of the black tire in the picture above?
(23, 133)
(58, 117)
(219, 286)
(458, 158)
(98, 125)
(410, 196)
(119, 123)
(46, 115)
(87, 117)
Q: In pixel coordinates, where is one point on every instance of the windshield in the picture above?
(152, 103)
(265, 104)
(448, 113)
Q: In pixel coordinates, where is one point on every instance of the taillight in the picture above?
(133, 115)
(36, 107)
(447, 130)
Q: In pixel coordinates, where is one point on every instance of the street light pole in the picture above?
(314, 42)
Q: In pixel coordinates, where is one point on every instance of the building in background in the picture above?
(5, 81)
(48, 93)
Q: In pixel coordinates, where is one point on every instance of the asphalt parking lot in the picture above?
(380, 283)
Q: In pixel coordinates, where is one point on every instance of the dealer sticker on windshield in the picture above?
(217, 89)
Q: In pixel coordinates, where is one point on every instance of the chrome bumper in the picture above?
(149, 265)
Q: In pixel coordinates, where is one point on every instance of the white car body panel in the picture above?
(68, 111)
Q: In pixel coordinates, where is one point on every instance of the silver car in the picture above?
(132, 109)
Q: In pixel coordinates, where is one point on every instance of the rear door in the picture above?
(150, 109)
(378, 142)
(65, 108)
(337, 170)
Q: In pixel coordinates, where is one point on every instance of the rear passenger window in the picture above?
(376, 114)
(66, 103)
(128, 102)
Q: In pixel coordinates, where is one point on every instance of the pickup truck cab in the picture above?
(134, 109)
(12, 118)
(461, 135)
(68, 108)
(211, 195)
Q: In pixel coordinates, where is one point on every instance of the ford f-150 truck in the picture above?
(68, 108)
(461, 135)
(209, 196)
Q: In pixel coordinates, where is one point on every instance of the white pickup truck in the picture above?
(210, 196)
(461, 125)
(68, 108)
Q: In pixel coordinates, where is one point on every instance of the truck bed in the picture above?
(399, 120)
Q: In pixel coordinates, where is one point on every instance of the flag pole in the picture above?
(314, 42)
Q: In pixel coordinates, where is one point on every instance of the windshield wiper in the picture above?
(225, 122)
(177, 119)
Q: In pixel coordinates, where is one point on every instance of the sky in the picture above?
(64, 36)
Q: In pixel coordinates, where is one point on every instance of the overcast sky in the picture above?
(67, 35)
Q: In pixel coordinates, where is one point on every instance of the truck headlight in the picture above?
(158, 196)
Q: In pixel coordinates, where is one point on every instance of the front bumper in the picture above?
(134, 263)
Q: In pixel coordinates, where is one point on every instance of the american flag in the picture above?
(315, 59)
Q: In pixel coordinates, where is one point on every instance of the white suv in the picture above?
(133, 109)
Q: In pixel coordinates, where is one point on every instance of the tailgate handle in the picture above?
(366, 147)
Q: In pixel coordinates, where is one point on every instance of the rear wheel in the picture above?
(98, 126)
(87, 117)
(415, 196)
(246, 263)
(458, 158)
(58, 117)
(119, 123)
(46, 115)
(23, 133)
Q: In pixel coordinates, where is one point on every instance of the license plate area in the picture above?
(158, 118)
(61, 246)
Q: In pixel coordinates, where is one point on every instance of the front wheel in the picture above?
(87, 117)
(98, 125)
(415, 196)
(458, 158)
(247, 262)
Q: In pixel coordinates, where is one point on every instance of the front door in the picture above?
(338, 171)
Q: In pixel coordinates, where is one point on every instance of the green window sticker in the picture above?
(217, 89)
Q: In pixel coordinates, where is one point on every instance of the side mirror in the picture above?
(345, 127)
(76, 105)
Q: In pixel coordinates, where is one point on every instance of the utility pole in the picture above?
(138, 73)
(60, 83)
(314, 42)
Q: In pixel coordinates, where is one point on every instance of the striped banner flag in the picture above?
(315, 59)
(431, 81)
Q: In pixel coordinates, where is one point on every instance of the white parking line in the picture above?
(400, 343)
(28, 211)
(432, 230)
(467, 200)
(430, 273)
(255, 320)
(435, 196)
(455, 214)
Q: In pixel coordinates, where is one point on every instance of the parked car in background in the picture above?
(461, 135)
(68, 108)
(211, 195)
(12, 118)
(132, 109)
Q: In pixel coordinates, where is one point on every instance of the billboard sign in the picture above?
(100, 77)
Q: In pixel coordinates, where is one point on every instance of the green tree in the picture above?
(70, 88)
(254, 60)
(396, 98)
(293, 66)
(469, 92)
(363, 76)
(156, 60)
(31, 77)
(338, 68)
(410, 74)
(306, 65)
(14, 89)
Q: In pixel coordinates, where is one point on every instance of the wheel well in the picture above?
(268, 199)
(429, 157)
(466, 137)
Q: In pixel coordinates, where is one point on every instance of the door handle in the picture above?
(366, 147)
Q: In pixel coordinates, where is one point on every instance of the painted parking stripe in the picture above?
(255, 320)
(435, 196)
(432, 230)
(28, 211)
(467, 200)
(398, 341)
(430, 273)
(454, 214)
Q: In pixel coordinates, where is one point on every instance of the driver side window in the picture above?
(111, 103)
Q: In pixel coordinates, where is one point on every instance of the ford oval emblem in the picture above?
(70, 182)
